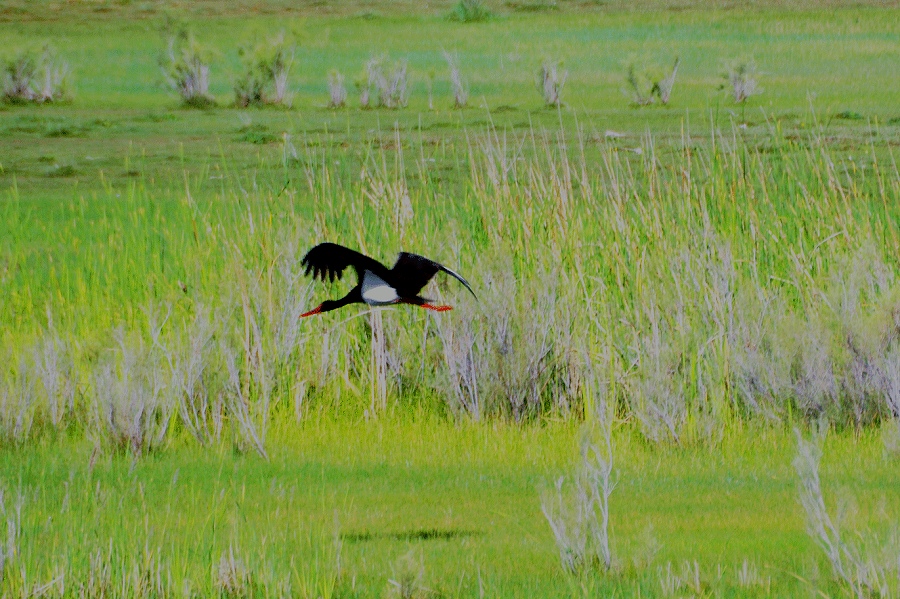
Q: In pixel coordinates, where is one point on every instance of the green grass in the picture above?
(696, 255)
(388, 493)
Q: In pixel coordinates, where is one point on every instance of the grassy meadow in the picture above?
(681, 376)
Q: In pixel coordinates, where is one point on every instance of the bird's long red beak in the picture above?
(315, 310)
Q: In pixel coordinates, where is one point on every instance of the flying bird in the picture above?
(377, 285)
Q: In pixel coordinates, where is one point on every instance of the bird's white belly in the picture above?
(376, 292)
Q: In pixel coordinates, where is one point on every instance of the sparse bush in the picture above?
(658, 401)
(11, 516)
(503, 359)
(265, 75)
(551, 82)
(55, 371)
(129, 407)
(389, 89)
(232, 578)
(267, 336)
(18, 404)
(641, 90)
(407, 579)
(193, 385)
(863, 575)
(580, 522)
(35, 76)
(186, 68)
(458, 87)
(644, 88)
(663, 87)
(471, 11)
(742, 81)
(337, 91)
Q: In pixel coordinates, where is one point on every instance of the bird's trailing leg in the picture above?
(437, 308)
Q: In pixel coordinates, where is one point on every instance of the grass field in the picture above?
(688, 282)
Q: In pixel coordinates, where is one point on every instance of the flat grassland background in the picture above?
(700, 277)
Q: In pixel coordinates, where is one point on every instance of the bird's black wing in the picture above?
(412, 272)
(328, 260)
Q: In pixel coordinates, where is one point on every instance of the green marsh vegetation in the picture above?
(665, 293)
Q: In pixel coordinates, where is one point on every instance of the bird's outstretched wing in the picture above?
(328, 260)
(412, 272)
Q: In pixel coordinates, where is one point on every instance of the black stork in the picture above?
(377, 285)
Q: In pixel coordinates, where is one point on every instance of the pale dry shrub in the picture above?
(889, 367)
(663, 87)
(18, 404)
(579, 518)
(55, 371)
(194, 386)
(742, 80)
(408, 576)
(815, 386)
(35, 76)
(462, 391)
(763, 347)
(260, 351)
(388, 86)
(865, 571)
(11, 516)
(551, 80)
(185, 66)
(658, 399)
(129, 409)
(502, 355)
(266, 67)
(337, 90)
(457, 85)
(396, 95)
(231, 577)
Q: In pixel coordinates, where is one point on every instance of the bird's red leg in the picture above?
(437, 308)
(315, 310)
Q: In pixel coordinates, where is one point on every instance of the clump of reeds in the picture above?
(503, 358)
(194, 386)
(742, 80)
(646, 88)
(11, 517)
(266, 67)
(457, 86)
(18, 404)
(551, 80)
(663, 87)
(471, 11)
(232, 577)
(384, 85)
(130, 410)
(185, 66)
(865, 575)
(35, 76)
(337, 90)
(579, 518)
